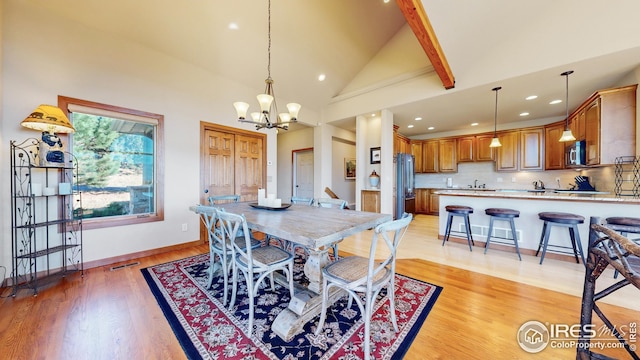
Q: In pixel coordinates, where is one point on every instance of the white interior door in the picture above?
(303, 173)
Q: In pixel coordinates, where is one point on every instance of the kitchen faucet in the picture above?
(475, 183)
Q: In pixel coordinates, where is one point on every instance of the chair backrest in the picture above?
(223, 199)
(622, 253)
(301, 200)
(332, 203)
(208, 215)
(234, 225)
(392, 233)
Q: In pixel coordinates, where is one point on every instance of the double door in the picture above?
(232, 162)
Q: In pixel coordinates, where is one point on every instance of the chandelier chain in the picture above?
(269, 44)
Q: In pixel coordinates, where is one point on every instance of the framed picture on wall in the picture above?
(375, 155)
(349, 168)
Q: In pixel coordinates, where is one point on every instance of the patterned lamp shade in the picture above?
(48, 118)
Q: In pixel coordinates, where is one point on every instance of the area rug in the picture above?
(208, 330)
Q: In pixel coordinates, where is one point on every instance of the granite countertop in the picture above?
(549, 194)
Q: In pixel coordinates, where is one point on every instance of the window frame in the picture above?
(120, 220)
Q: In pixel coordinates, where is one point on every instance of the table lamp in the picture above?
(51, 120)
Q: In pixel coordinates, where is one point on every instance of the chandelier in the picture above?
(268, 117)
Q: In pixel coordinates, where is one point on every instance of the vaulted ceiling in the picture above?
(365, 48)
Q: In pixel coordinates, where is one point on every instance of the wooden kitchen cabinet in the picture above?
(370, 200)
(474, 148)
(417, 151)
(434, 202)
(554, 149)
(507, 154)
(577, 125)
(610, 124)
(430, 156)
(447, 156)
(531, 149)
(422, 201)
(401, 143)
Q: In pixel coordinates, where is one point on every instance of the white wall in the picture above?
(42, 59)
(288, 141)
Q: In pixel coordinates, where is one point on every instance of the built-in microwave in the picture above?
(576, 154)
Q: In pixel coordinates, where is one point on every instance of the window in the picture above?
(120, 156)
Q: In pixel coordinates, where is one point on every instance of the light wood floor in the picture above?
(113, 315)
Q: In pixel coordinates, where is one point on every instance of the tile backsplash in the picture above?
(602, 178)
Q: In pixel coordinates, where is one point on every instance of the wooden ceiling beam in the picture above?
(419, 22)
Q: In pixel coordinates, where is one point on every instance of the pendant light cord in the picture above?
(495, 114)
(566, 102)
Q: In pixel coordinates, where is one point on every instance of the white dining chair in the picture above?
(301, 200)
(222, 199)
(355, 274)
(337, 204)
(219, 250)
(264, 261)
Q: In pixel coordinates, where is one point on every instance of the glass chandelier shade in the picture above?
(495, 142)
(567, 135)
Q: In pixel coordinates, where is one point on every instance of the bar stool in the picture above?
(459, 210)
(503, 215)
(624, 221)
(570, 221)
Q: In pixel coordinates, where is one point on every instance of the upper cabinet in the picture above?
(447, 156)
(475, 148)
(435, 156)
(430, 156)
(521, 150)
(553, 149)
(401, 143)
(607, 122)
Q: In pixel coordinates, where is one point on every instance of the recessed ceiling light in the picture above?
(531, 97)
(524, 114)
(418, 118)
(430, 128)
(321, 77)
(474, 124)
(553, 102)
(373, 114)
(410, 126)
(386, 1)
(233, 26)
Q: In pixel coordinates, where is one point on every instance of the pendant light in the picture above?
(495, 142)
(268, 117)
(567, 135)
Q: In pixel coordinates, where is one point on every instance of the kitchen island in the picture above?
(530, 203)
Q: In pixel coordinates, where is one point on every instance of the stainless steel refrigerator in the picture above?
(405, 182)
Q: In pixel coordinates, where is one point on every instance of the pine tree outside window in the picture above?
(119, 153)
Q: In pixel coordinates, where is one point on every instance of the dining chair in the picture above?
(337, 204)
(356, 274)
(221, 199)
(263, 261)
(219, 249)
(301, 200)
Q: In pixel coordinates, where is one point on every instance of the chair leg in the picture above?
(572, 236)
(515, 237)
(467, 225)
(486, 246)
(447, 231)
(547, 231)
(544, 229)
(577, 240)
(325, 300)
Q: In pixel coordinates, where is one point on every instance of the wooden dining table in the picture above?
(316, 229)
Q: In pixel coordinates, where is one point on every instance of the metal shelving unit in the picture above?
(627, 176)
(45, 218)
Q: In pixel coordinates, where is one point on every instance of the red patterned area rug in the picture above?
(208, 330)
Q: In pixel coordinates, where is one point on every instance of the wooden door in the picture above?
(303, 173)
(249, 167)
(422, 201)
(218, 165)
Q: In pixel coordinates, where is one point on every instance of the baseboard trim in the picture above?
(140, 254)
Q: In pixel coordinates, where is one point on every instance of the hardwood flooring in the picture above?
(113, 315)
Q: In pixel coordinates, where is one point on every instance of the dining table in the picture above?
(316, 229)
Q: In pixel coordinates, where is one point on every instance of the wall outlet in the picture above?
(185, 227)
(513, 179)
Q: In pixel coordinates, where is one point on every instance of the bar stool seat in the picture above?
(568, 220)
(459, 210)
(624, 221)
(503, 214)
